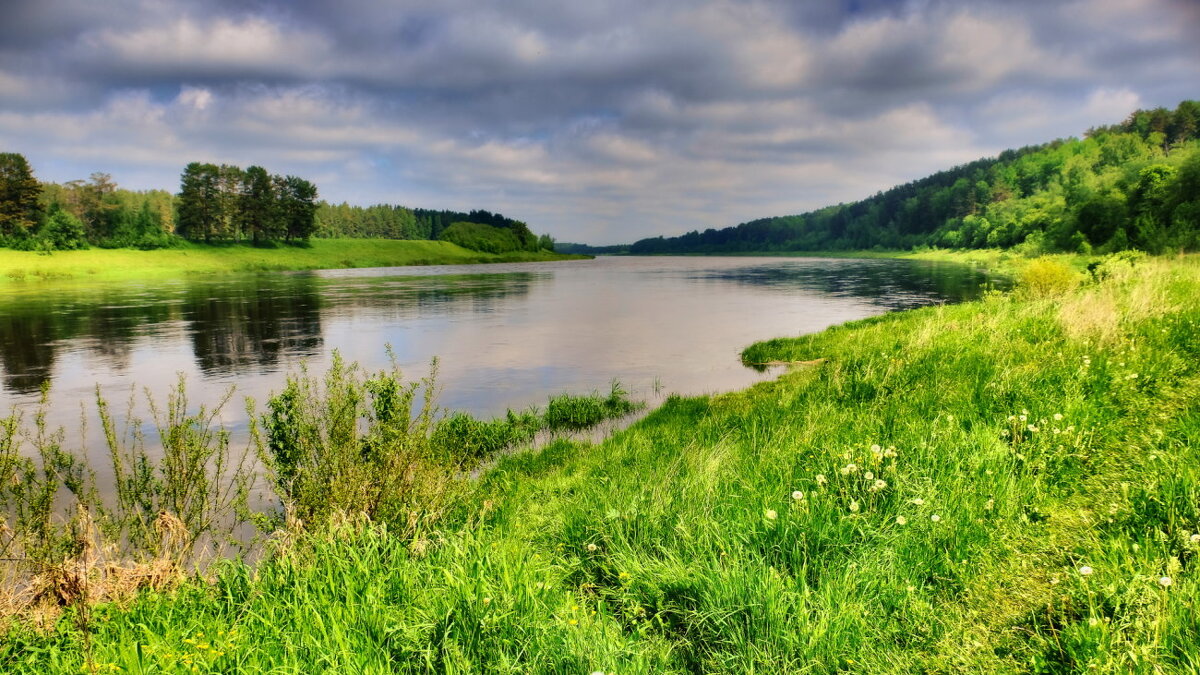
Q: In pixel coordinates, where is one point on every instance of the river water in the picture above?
(506, 336)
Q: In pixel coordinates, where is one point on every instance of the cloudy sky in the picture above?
(598, 122)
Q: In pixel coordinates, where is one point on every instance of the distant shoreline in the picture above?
(194, 258)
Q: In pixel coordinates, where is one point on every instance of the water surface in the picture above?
(507, 336)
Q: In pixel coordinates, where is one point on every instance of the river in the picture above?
(506, 336)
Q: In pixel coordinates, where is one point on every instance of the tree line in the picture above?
(227, 203)
(1130, 185)
(216, 203)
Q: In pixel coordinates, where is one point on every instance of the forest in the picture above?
(1130, 185)
(218, 204)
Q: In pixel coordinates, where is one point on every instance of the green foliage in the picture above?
(63, 232)
(1046, 277)
(1135, 185)
(568, 411)
(466, 441)
(352, 443)
(20, 210)
(479, 237)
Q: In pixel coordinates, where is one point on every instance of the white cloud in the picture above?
(600, 122)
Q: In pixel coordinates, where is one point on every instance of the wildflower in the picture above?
(935, 518)
(797, 495)
(878, 485)
(573, 622)
(901, 520)
(1085, 571)
(771, 515)
(991, 504)
(821, 480)
(849, 469)
(1164, 581)
(1012, 418)
(890, 452)
(487, 601)
(1195, 538)
(1058, 417)
(1032, 428)
(869, 475)
(1093, 622)
(910, 589)
(1024, 418)
(853, 507)
(918, 501)
(876, 449)
(592, 547)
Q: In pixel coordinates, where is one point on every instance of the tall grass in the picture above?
(1000, 486)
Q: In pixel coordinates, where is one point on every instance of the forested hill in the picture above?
(1130, 185)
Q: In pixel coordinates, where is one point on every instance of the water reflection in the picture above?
(895, 286)
(251, 323)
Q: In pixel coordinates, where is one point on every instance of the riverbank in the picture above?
(194, 258)
(999, 486)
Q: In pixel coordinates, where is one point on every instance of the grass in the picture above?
(192, 258)
(1009, 485)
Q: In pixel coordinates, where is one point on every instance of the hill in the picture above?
(1131, 185)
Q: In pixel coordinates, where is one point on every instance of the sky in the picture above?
(596, 122)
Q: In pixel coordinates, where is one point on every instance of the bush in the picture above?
(63, 232)
(483, 238)
(1045, 278)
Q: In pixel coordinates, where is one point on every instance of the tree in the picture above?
(63, 231)
(199, 212)
(259, 215)
(20, 208)
(297, 207)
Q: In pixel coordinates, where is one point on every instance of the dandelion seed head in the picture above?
(1085, 571)
(918, 501)
(901, 520)
(771, 515)
(878, 485)
(821, 480)
(797, 495)
(1195, 538)
(592, 547)
(869, 475)
(876, 449)
(935, 518)
(1165, 581)
(853, 507)
(1058, 417)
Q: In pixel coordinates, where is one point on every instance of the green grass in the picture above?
(116, 264)
(913, 503)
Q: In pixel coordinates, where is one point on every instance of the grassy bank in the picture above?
(192, 258)
(1009, 485)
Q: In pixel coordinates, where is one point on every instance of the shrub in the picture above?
(1045, 278)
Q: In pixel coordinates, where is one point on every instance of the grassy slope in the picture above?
(114, 264)
(677, 546)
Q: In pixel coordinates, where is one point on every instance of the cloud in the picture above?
(600, 122)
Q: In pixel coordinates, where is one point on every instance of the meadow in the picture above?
(195, 258)
(1008, 485)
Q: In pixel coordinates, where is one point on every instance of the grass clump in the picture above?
(572, 412)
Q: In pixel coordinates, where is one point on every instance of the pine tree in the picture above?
(20, 210)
